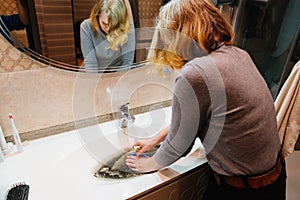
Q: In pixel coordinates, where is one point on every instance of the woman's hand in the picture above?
(142, 164)
(144, 145)
(148, 144)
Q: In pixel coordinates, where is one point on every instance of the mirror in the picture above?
(52, 35)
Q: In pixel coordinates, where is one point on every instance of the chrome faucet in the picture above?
(125, 116)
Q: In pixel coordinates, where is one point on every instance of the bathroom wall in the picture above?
(8, 7)
(46, 100)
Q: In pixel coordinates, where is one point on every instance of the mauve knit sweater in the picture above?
(223, 99)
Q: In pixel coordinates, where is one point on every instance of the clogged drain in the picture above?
(116, 167)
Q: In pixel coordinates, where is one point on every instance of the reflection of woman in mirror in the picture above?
(107, 37)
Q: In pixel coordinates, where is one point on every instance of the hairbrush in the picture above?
(18, 191)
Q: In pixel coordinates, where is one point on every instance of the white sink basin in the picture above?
(108, 140)
(149, 124)
(62, 166)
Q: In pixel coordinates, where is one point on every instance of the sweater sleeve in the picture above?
(128, 49)
(187, 110)
(87, 45)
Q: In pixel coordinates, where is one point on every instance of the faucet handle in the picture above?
(125, 116)
(124, 107)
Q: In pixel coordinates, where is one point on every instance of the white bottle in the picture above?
(3, 143)
(15, 134)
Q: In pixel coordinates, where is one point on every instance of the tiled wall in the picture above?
(148, 11)
(12, 60)
(9, 7)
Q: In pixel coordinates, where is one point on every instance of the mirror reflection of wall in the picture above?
(147, 12)
(55, 25)
(9, 13)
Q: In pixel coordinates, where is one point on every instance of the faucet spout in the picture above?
(125, 116)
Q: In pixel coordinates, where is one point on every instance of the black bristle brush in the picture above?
(18, 191)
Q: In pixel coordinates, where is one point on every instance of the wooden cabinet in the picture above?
(187, 186)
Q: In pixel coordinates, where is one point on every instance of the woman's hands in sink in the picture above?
(148, 144)
(142, 164)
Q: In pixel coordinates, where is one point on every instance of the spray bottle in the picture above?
(15, 134)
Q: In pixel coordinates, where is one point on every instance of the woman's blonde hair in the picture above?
(118, 22)
(191, 28)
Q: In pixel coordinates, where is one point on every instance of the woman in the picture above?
(107, 37)
(220, 98)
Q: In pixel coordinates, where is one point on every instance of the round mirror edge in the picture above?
(14, 41)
